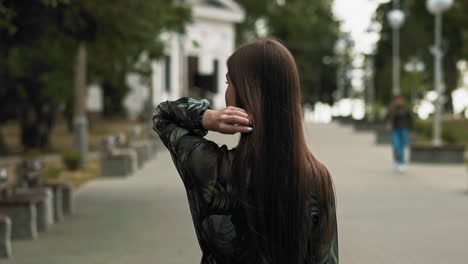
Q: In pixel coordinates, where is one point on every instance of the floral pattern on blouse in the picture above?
(205, 169)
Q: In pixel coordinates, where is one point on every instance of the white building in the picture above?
(194, 64)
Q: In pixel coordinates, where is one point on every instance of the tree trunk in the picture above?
(80, 121)
(3, 145)
(36, 124)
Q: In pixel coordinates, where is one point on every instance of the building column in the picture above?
(159, 82)
(219, 99)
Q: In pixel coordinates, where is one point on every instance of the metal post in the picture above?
(396, 62)
(370, 89)
(438, 82)
(340, 80)
(396, 55)
(80, 122)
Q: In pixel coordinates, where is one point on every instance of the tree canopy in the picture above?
(417, 36)
(309, 30)
(39, 43)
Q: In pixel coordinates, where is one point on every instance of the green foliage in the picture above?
(39, 45)
(449, 137)
(32, 154)
(379, 111)
(413, 86)
(51, 173)
(453, 130)
(417, 36)
(309, 30)
(72, 160)
(255, 10)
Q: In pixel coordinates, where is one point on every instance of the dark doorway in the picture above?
(193, 88)
(167, 73)
(202, 85)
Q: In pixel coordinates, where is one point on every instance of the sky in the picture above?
(356, 18)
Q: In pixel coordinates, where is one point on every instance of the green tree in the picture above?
(30, 54)
(417, 35)
(310, 31)
(40, 39)
(255, 11)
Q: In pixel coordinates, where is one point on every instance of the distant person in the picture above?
(269, 200)
(400, 120)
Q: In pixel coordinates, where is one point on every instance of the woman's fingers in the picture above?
(233, 119)
(236, 108)
(232, 129)
(236, 112)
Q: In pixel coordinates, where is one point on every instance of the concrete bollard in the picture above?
(5, 236)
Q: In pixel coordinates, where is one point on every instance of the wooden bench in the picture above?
(20, 208)
(134, 139)
(149, 134)
(115, 161)
(29, 172)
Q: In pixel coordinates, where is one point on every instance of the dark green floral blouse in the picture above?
(205, 171)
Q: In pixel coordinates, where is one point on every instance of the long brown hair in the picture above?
(274, 171)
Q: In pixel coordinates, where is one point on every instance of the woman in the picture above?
(268, 200)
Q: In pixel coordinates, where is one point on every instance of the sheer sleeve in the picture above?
(179, 125)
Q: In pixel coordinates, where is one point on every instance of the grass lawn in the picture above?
(56, 171)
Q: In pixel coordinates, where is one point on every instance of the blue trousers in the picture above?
(399, 142)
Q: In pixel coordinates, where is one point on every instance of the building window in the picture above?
(167, 73)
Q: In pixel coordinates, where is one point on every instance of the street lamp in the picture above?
(340, 49)
(414, 66)
(370, 87)
(437, 7)
(396, 18)
(374, 28)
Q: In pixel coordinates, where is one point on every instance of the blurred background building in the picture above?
(193, 64)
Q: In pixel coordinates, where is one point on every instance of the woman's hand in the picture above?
(227, 121)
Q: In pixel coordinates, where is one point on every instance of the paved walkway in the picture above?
(384, 217)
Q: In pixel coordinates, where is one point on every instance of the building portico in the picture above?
(194, 64)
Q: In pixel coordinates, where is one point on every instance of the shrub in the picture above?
(453, 131)
(423, 127)
(448, 136)
(51, 173)
(32, 154)
(72, 160)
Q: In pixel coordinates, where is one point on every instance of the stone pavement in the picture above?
(384, 217)
(420, 217)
